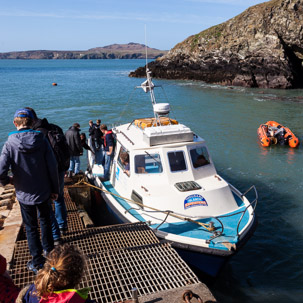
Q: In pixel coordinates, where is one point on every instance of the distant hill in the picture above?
(262, 47)
(114, 51)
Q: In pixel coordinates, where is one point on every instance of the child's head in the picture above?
(63, 269)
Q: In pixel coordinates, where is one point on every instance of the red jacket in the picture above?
(8, 290)
(62, 296)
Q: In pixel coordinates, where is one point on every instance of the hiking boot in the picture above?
(30, 266)
(63, 231)
(57, 242)
(45, 253)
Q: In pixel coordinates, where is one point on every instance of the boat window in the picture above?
(148, 164)
(199, 156)
(176, 161)
(123, 160)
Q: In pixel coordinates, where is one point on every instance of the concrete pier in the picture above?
(126, 263)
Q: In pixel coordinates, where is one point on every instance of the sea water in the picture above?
(269, 268)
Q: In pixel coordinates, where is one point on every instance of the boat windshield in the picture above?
(199, 156)
(148, 163)
(176, 161)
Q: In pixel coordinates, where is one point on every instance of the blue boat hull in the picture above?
(210, 265)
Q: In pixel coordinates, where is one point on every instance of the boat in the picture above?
(170, 182)
(272, 133)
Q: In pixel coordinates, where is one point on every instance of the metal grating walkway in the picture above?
(120, 257)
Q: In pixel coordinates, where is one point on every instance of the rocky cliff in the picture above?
(114, 51)
(262, 47)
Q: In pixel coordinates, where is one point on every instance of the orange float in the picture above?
(54, 84)
(267, 134)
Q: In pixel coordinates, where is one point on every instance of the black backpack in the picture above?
(60, 147)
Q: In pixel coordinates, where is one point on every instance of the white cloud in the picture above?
(164, 17)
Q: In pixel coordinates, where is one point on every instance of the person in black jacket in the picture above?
(59, 219)
(75, 148)
(84, 142)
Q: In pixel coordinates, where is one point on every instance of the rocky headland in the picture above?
(262, 47)
(114, 51)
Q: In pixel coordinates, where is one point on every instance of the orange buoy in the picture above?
(54, 84)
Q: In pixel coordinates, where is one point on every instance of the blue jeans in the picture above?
(29, 216)
(107, 162)
(74, 164)
(60, 208)
(55, 226)
(99, 156)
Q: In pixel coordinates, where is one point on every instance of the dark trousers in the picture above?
(30, 219)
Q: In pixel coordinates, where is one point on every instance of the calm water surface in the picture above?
(270, 267)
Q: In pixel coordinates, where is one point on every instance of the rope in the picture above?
(206, 226)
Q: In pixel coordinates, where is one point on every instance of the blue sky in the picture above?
(84, 24)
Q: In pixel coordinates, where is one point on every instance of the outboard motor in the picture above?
(280, 136)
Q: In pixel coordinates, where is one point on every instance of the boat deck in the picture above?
(193, 230)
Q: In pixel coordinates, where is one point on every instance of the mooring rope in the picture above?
(208, 227)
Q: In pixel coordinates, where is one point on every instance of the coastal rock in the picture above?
(262, 47)
(114, 51)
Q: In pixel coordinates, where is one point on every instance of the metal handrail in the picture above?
(255, 201)
(251, 204)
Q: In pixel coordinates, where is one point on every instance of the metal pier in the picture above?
(120, 257)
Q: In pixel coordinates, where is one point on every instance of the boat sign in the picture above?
(194, 200)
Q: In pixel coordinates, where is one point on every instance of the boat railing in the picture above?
(252, 204)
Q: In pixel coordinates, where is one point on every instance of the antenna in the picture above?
(145, 46)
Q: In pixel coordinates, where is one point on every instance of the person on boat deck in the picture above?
(108, 149)
(75, 148)
(97, 143)
(125, 161)
(35, 177)
(98, 135)
(91, 129)
(57, 281)
(59, 219)
(8, 290)
(84, 142)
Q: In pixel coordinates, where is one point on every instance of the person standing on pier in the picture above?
(35, 176)
(57, 140)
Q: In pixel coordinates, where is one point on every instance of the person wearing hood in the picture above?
(59, 219)
(35, 176)
(75, 148)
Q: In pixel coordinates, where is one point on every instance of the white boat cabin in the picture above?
(168, 167)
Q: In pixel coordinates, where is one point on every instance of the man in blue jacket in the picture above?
(35, 177)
